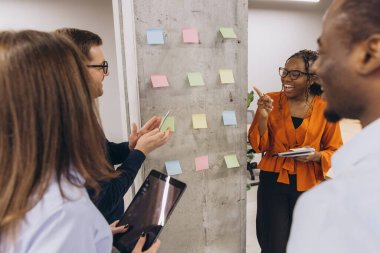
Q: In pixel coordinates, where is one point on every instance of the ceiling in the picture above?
(289, 5)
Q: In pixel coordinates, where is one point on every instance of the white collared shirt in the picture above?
(58, 225)
(342, 215)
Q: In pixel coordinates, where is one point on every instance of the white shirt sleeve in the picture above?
(74, 227)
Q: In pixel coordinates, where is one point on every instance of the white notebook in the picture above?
(295, 152)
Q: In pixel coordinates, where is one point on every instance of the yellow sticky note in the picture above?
(169, 122)
(231, 161)
(195, 79)
(227, 33)
(226, 76)
(199, 121)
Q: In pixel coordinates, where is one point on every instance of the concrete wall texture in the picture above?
(211, 215)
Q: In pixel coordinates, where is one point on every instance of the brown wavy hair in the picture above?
(47, 123)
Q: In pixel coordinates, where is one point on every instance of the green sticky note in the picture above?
(199, 121)
(226, 76)
(195, 79)
(231, 161)
(227, 33)
(169, 122)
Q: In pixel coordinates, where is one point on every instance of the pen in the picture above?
(163, 120)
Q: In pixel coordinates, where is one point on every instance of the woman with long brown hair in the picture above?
(46, 159)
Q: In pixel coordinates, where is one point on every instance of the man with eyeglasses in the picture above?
(130, 154)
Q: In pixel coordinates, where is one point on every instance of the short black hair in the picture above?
(363, 19)
(82, 38)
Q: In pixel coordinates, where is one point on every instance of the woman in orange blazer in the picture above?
(288, 119)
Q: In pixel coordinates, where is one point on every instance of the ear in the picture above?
(313, 78)
(369, 55)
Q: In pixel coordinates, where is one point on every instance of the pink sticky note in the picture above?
(201, 163)
(159, 81)
(190, 35)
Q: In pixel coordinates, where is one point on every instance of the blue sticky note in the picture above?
(154, 37)
(229, 118)
(173, 168)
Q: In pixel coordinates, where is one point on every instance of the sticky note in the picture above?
(229, 118)
(154, 37)
(173, 167)
(201, 163)
(199, 121)
(226, 76)
(227, 33)
(231, 161)
(195, 79)
(159, 81)
(169, 122)
(190, 35)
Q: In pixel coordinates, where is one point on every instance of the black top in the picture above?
(110, 200)
(297, 121)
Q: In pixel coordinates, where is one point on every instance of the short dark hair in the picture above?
(82, 38)
(362, 19)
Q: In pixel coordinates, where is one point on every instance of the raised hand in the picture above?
(152, 140)
(264, 104)
(151, 124)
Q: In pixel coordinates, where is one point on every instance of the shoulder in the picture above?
(72, 221)
(320, 102)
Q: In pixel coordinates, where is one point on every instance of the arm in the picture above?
(258, 132)
(117, 152)
(113, 191)
(331, 141)
(259, 143)
(74, 228)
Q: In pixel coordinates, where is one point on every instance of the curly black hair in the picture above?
(309, 57)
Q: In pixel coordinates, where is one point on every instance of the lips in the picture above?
(288, 87)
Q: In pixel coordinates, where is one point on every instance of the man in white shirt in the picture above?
(343, 214)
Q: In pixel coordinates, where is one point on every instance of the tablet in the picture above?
(149, 210)
(296, 152)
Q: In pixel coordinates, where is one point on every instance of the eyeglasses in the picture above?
(294, 74)
(103, 66)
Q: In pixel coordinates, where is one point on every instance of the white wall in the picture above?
(93, 15)
(274, 34)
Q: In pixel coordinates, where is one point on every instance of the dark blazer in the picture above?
(110, 200)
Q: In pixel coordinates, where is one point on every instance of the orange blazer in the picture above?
(315, 131)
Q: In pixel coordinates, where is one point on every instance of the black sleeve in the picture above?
(117, 152)
(113, 191)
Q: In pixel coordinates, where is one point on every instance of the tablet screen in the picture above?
(149, 210)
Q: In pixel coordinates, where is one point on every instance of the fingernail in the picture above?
(143, 234)
(126, 226)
